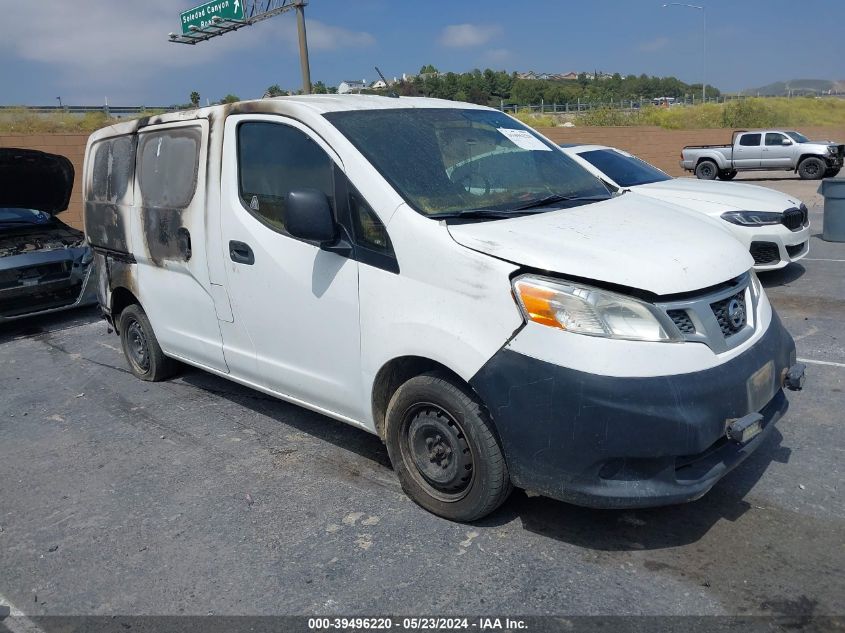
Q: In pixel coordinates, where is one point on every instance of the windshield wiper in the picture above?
(493, 214)
(546, 201)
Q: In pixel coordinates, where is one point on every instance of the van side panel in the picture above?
(449, 304)
(169, 241)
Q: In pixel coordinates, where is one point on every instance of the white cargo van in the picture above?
(440, 275)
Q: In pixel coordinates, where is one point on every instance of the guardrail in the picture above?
(76, 109)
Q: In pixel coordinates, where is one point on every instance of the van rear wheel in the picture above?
(444, 449)
(140, 346)
(706, 170)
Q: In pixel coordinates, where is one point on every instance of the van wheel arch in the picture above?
(393, 375)
(121, 298)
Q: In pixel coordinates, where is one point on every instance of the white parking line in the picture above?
(820, 362)
(17, 622)
(810, 259)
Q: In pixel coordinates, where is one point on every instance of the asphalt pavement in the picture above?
(198, 496)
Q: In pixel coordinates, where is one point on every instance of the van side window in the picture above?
(167, 168)
(274, 159)
(114, 166)
(749, 140)
(369, 230)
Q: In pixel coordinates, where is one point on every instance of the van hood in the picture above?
(630, 240)
(729, 196)
(35, 180)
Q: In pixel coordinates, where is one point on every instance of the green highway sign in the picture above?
(201, 16)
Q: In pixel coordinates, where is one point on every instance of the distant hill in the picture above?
(798, 86)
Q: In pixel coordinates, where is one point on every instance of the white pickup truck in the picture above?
(765, 150)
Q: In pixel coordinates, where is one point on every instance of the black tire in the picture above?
(832, 173)
(812, 168)
(706, 170)
(727, 175)
(141, 348)
(444, 449)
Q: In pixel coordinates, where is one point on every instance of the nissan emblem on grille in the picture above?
(736, 314)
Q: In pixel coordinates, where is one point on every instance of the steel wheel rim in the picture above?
(436, 452)
(706, 170)
(137, 346)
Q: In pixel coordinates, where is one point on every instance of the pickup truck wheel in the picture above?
(140, 346)
(444, 450)
(706, 170)
(812, 168)
(727, 175)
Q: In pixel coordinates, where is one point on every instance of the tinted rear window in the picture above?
(167, 171)
(114, 166)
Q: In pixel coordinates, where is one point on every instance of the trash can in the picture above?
(833, 190)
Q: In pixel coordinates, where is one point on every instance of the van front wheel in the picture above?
(444, 450)
(140, 346)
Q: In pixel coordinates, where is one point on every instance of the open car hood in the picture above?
(631, 241)
(30, 179)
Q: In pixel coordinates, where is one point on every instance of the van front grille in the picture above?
(730, 313)
(682, 320)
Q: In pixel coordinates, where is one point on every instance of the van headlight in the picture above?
(584, 310)
(753, 218)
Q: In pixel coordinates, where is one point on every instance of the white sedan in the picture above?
(774, 227)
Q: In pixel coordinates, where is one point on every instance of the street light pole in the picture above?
(703, 15)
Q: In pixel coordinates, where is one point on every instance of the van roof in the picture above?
(315, 104)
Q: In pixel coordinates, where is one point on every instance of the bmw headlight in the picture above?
(753, 218)
(582, 309)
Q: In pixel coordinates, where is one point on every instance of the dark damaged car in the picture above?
(45, 265)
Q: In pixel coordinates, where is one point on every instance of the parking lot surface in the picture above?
(198, 496)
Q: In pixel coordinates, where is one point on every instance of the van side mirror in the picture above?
(308, 216)
(786, 141)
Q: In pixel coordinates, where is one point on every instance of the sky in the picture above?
(87, 51)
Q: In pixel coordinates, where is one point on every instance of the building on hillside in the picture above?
(351, 85)
(548, 76)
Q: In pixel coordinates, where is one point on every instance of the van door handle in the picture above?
(241, 253)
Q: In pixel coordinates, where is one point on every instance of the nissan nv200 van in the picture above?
(442, 276)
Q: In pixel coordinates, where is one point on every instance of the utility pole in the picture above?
(704, 15)
(303, 48)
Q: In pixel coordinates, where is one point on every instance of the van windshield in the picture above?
(450, 161)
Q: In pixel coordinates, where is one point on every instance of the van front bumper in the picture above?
(626, 442)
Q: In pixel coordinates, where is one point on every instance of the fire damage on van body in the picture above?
(45, 265)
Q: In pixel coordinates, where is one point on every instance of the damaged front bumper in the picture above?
(627, 442)
(41, 282)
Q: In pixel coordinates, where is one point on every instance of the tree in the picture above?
(195, 99)
(428, 69)
(230, 98)
(319, 88)
(275, 91)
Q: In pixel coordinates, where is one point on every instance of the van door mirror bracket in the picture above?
(341, 246)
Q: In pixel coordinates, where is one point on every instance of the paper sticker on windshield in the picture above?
(524, 139)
